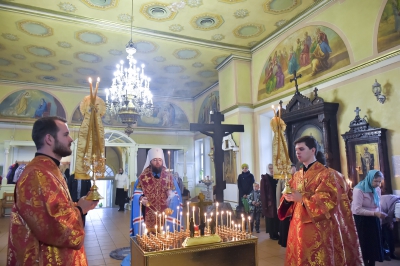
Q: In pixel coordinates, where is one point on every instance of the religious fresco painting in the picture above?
(389, 26)
(230, 167)
(30, 105)
(367, 158)
(165, 115)
(210, 103)
(312, 51)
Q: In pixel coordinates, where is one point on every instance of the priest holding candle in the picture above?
(158, 192)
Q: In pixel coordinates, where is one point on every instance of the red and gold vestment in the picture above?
(156, 190)
(45, 227)
(314, 234)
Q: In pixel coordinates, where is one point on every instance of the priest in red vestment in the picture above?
(314, 235)
(46, 226)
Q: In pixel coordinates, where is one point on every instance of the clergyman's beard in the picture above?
(61, 150)
(156, 170)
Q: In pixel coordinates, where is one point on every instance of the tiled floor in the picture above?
(107, 229)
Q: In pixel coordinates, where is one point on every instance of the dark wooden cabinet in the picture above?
(316, 117)
(366, 149)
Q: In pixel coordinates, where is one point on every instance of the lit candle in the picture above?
(90, 84)
(249, 225)
(227, 219)
(165, 219)
(140, 217)
(243, 227)
(97, 83)
(216, 220)
(144, 229)
(222, 218)
(273, 108)
(156, 218)
(156, 229)
(187, 220)
(180, 221)
(177, 217)
(205, 217)
(193, 215)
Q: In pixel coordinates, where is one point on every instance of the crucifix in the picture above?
(295, 77)
(357, 111)
(219, 132)
(202, 204)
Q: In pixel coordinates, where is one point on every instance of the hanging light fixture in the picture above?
(129, 96)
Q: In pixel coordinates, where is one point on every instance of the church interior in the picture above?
(250, 60)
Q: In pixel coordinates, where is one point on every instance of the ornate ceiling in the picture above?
(62, 43)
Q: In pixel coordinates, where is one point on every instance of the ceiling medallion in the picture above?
(218, 37)
(64, 44)
(248, 30)
(67, 7)
(197, 64)
(157, 11)
(176, 27)
(85, 71)
(8, 74)
(145, 46)
(10, 37)
(39, 51)
(89, 37)
(193, 84)
(241, 13)
(88, 57)
(65, 62)
(186, 54)
(47, 78)
(19, 56)
(5, 62)
(34, 28)
(280, 23)
(194, 3)
(159, 59)
(174, 69)
(276, 8)
(43, 66)
(207, 73)
(25, 70)
(218, 59)
(126, 18)
(67, 75)
(207, 21)
(100, 4)
(114, 52)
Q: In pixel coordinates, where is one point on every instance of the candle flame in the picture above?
(90, 80)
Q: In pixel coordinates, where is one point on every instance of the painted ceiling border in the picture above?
(117, 27)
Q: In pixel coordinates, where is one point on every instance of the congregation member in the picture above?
(388, 204)
(46, 226)
(268, 199)
(366, 209)
(122, 185)
(254, 199)
(245, 183)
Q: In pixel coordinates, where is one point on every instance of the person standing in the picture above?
(46, 226)
(255, 207)
(122, 185)
(268, 199)
(245, 183)
(313, 237)
(388, 204)
(366, 209)
(157, 190)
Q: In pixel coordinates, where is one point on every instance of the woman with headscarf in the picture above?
(367, 214)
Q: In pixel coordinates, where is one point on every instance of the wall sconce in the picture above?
(377, 90)
(211, 154)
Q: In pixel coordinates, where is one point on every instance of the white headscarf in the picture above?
(154, 153)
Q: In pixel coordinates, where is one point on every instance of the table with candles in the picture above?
(224, 241)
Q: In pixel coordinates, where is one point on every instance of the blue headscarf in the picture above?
(366, 185)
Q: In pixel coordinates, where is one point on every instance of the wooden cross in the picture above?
(202, 204)
(219, 132)
(295, 77)
(357, 111)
